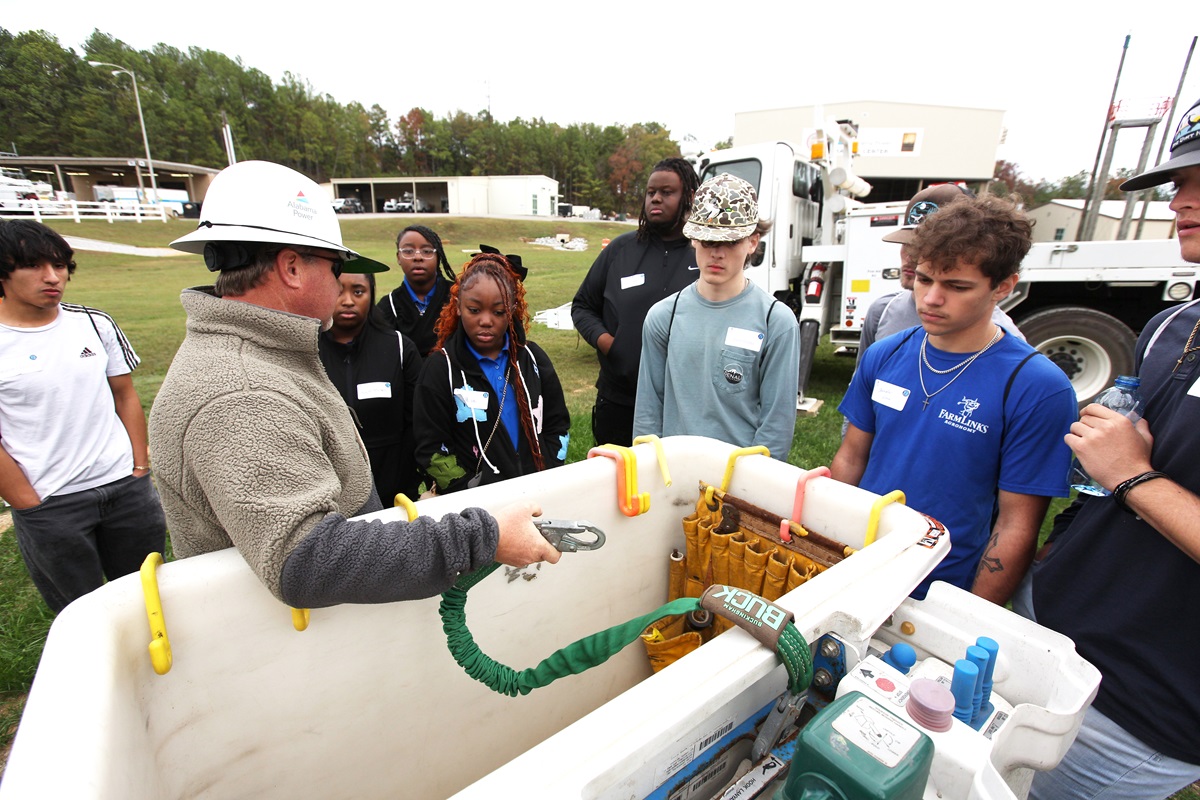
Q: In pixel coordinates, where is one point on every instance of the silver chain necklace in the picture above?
(964, 365)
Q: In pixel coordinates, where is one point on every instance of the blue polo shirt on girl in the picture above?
(495, 369)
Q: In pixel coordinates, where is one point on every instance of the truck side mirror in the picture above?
(760, 253)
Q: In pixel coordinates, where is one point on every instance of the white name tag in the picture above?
(890, 395)
(1195, 390)
(370, 391)
(630, 281)
(472, 399)
(14, 365)
(747, 340)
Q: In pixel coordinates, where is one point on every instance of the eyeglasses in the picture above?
(409, 252)
(336, 264)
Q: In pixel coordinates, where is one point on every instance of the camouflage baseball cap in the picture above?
(924, 203)
(725, 210)
(1185, 152)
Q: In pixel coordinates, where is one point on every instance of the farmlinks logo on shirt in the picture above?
(963, 421)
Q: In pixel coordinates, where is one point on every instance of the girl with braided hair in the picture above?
(413, 307)
(489, 405)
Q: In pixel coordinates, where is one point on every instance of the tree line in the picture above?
(52, 103)
(1008, 179)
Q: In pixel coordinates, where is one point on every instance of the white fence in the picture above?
(73, 209)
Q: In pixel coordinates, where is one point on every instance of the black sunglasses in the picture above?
(335, 264)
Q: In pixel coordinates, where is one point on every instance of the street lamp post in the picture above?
(137, 99)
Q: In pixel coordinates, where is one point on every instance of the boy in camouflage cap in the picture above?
(721, 357)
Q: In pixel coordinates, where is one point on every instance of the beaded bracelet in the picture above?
(1123, 489)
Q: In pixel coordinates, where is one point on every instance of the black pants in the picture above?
(612, 423)
(72, 542)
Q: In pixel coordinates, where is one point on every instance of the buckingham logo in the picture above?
(753, 614)
(87, 353)
(750, 607)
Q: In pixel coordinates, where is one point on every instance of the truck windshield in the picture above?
(749, 170)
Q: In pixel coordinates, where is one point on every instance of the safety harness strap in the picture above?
(591, 651)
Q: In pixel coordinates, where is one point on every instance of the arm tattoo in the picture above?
(989, 562)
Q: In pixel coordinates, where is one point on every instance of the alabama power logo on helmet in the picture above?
(301, 207)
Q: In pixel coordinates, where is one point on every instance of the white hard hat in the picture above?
(258, 201)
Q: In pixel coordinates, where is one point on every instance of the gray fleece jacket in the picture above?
(254, 448)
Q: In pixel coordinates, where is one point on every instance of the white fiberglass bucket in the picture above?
(367, 702)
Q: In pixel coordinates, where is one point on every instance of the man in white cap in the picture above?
(254, 446)
(1121, 576)
(721, 358)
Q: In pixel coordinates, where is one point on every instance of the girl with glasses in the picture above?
(413, 307)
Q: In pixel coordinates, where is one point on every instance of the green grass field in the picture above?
(142, 294)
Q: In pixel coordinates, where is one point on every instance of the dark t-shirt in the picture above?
(1123, 592)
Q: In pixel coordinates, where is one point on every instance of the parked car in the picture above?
(348, 205)
(398, 206)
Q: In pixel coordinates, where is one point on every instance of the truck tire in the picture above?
(1091, 347)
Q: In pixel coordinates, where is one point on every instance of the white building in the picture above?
(498, 195)
(1058, 220)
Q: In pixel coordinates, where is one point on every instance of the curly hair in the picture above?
(512, 290)
(25, 243)
(690, 182)
(989, 232)
(444, 267)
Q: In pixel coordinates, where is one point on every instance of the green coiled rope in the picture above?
(588, 652)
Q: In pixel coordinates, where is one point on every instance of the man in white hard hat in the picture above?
(254, 446)
(1118, 565)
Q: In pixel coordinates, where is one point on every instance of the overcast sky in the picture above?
(1048, 64)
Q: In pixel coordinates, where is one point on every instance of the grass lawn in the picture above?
(142, 294)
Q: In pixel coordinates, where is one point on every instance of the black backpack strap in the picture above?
(1004, 401)
(671, 323)
(1012, 378)
(911, 333)
(763, 353)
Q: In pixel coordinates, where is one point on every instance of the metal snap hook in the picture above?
(562, 534)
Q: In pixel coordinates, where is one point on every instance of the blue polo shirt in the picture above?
(423, 305)
(493, 369)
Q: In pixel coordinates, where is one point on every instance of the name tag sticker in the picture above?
(747, 340)
(370, 391)
(630, 281)
(472, 399)
(15, 365)
(1195, 390)
(890, 395)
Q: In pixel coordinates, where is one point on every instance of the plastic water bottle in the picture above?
(1124, 398)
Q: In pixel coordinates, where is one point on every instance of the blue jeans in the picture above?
(72, 542)
(1107, 763)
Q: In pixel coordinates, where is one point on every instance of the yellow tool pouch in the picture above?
(734, 543)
